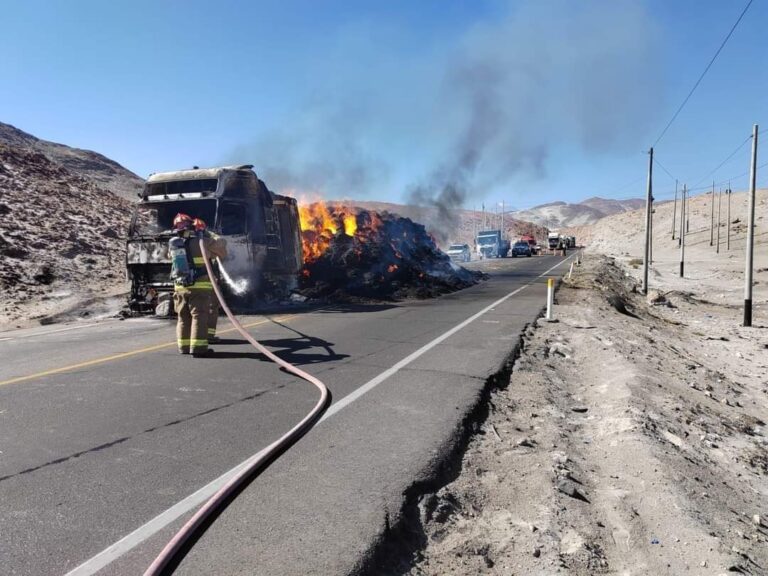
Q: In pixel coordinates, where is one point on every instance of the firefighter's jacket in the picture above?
(216, 247)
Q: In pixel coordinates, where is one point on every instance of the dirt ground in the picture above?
(631, 438)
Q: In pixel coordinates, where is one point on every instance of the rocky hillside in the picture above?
(104, 172)
(562, 214)
(61, 237)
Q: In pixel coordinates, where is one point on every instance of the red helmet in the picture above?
(183, 222)
(199, 224)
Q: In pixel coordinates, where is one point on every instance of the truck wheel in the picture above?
(164, 308)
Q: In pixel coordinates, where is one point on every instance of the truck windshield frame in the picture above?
(181, 187)
(487, 240)
(153, 218)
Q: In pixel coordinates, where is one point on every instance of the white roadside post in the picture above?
(570, 272)
(550, 296)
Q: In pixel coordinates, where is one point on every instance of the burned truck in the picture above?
(261, 228)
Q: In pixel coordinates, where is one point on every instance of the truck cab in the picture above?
(553, 239)
(490, 244)
(261, 229)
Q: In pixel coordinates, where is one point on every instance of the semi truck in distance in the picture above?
(491, 244)
(553, 239)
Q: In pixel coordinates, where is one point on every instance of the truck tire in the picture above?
(164, 308)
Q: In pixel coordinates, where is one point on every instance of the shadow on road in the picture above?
(295, 350)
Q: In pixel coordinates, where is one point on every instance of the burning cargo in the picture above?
(351, 253)
(261, 229)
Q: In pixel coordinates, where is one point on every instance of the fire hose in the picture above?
(178, 547)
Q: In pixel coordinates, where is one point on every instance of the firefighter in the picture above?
(192, 286)
(213, 310)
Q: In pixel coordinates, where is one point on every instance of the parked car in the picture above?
(459, 252)
(521, 249)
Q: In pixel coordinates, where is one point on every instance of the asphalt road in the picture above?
(108, 438)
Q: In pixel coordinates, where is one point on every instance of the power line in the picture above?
(702, 74)
(662, 167)
(727, 180)
(731, 155)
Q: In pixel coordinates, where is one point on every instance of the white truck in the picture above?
(490, 244)
(553, 239)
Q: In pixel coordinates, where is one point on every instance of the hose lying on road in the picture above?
(173, 553)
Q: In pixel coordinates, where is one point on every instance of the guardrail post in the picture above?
(550, 296)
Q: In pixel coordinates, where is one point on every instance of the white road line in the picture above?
(113, 552)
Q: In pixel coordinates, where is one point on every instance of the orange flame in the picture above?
(320, 223)
(392, 268)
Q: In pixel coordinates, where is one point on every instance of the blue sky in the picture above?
(526, 102)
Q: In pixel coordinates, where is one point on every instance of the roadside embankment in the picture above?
(631, 439)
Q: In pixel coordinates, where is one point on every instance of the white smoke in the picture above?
(239, 287)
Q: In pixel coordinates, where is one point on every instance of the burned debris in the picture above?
(352, 253)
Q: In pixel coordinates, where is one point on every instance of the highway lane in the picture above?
(93, 453)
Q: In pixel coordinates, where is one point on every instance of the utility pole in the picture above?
(712, 218)
(682, 217)
(683, 208)
(719, 202)
(650, 239)
(728, 218)
(674, 212)
(502, 218)
(750, 232)
(648, 200)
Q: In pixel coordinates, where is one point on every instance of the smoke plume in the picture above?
(471, 115)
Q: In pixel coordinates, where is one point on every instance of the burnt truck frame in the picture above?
(262, 231)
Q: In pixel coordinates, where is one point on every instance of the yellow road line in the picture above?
(121, 355)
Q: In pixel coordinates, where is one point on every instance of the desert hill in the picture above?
(106, 173)
(562, 214)
(61, 236)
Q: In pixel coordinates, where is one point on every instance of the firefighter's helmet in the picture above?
(183, 222)
(199, 224)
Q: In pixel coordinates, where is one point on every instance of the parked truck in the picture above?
(261, 228)
(491, 244)
(553, 239)
(531, 240)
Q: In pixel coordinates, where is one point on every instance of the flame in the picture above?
(392, 268)
(320, 222)
(350, 224)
